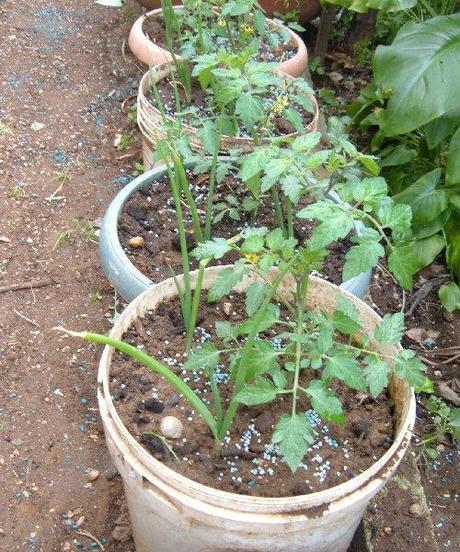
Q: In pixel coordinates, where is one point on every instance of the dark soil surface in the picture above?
(154, 28)
(150, 214)
(248, 463)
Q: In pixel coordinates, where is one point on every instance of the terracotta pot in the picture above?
(307, 9)
(151, 124)
(170, 512)
(145, 49)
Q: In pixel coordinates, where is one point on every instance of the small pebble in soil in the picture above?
(416, 509)
(93, 475)
(136, 242)
(171, 427)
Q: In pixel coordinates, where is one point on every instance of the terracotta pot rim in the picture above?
(144, 47)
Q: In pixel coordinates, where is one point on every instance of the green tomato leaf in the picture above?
(274, 239)
(345, 367)
(270, 317)
(250, 108)
(224, 329)
(325, 402)
(252, 164)
(254, 297)
(214, 249)
(369, 192)
(292, 187)
(390, 329)
(376, 374)
(226, 280)
(421, 69)
(408, 367)
(262, 392)
(361, 258)
(306, 142)
(294, 435)
(204, 358)
(396, 216)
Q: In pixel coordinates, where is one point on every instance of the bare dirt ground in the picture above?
(63, 80)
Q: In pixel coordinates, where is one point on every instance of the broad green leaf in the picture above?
(362, 6)
(262, 358)
(439, 129)
(254, 296)
(453, 161)
(346, 368)
(451, 231)
(345, 324)
(403, 263)
(400, 155)
(422, 71)
(294, 117)
(376, 374)
(390, 329)
(261, 392)
(426, 201)
(325, 402)
(410, 368)
(252, 244)
(294, 435)
(361, 258)
(428, 249)
(214, 249)
(336, 222)
(250, 108)
(347, 307)
(450, 296)
(204, 358)
(226, 280)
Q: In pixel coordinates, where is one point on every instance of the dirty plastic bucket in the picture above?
(170, 512)
(128, 280)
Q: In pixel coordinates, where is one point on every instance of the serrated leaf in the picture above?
(226, 280)
(270, 317)
(369, 192)
(344, 324)
(306, 142)
(224, 329)
(294, 117)
(408, 367)
(204, 358)
(324, 401)
(346, 368)
(262, 358)
(361, 258)
(214, 249)
(396, 216)
(254, 296)
(292, 187)
(252, 164)
(294, 435)
(376, 374)
(390, 329)
(274, 239)
(261, 392)
(252, 244)
(403, 263)
(250, 108)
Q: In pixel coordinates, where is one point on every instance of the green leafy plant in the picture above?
(418, 131)
(446, 421)
(314, 349)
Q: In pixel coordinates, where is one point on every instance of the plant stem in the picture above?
(290, 218)
(301, 291)
(278, 211)
(183, 245)
(195, 304)
(184, 184)
(212, 182)
(157, 367)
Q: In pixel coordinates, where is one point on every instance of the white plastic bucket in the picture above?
(171, 513)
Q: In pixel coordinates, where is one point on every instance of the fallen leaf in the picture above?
(420, 334)
(449, 394)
